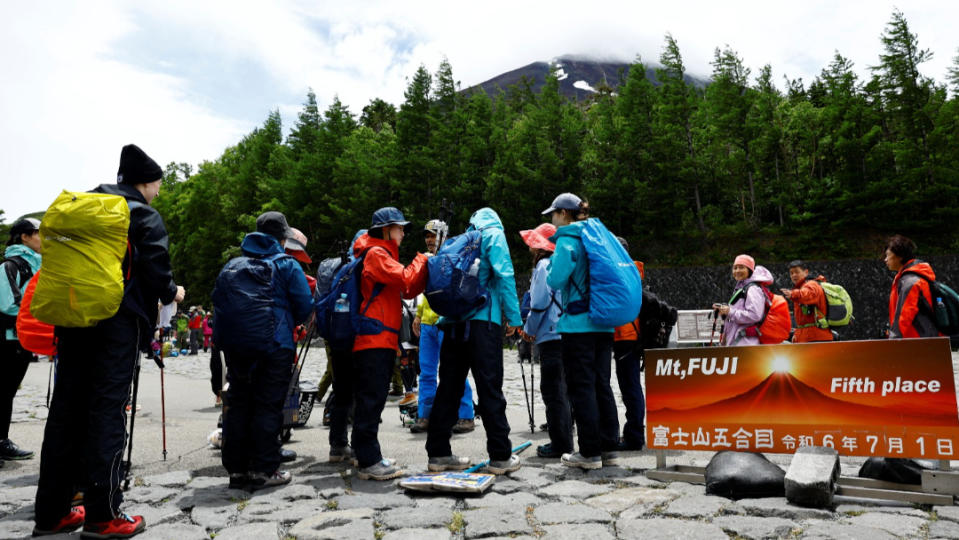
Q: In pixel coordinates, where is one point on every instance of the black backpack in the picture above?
(945, 306)
(243, 304)
(15, 267)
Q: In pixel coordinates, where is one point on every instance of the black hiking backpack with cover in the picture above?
(14, 268)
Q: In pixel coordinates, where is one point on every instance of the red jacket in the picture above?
(807, 296)
(382, 265)
(906, 319)
(196, 322)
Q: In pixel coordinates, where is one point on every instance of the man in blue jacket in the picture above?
(258, 379)
(476, 343)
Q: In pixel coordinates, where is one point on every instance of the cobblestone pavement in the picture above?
(543, 499)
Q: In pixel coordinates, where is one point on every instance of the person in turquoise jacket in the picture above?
(476, 343)
(20, 261)
(587, 347)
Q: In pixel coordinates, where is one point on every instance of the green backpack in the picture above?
(838, 306)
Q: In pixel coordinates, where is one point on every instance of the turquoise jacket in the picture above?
(495, 272)
(7, 306)
(568, 273)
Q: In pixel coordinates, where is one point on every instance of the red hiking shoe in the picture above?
(69, 523)
(124, 526)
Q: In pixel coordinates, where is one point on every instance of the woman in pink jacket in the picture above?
(747, 305)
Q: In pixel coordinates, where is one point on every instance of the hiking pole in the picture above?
(133, 416)
(532, 397)
(482, 464)
(529, 410)
(50, 379)
(159, 361)
(712, 333)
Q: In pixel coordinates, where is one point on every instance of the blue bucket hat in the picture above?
(387, 216)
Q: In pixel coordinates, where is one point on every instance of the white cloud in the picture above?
(72, 93)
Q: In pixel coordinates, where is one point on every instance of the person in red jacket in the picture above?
(910, 300)
(374, 354)
(809, 305)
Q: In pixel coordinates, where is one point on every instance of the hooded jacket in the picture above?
(382, 265)
(495, 272)
(292, 301)
(151, 277)
(910, 302)
(568, 273)
(747, 310)
(8, 305)
(544, 304)
(809, 304)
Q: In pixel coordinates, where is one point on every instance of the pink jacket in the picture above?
(747, 311)
(207, 329)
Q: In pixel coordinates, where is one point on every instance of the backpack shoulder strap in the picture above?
(16, 267)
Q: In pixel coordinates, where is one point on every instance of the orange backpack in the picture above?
(776, 324)
(35, 336)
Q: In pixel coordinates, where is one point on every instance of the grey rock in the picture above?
(812, 476)
(170, 479)
(554, 513)
(687, 488)
(896, 524)
(422, 516)
(357, 523)
(831, 530)
(667, 529)
(943, 529)
(575, 489)
(286, 513)
(418, 534)
(203, 482)
(209, 497)
(290, 493)
(947, 512)
(496, 522)
(154, 515)
(578, 532)
(608, 473)
(150, 495)
(505, 484)
(16, 528)
(534, 477)
(695, 506)
(180, 531)
(779, 507)
(213, 518)
(18, 496)
(642, 497)
(376, 501)
(499, 500)
(251, 531)
(756, 528)
(639, 479)
(855, 509)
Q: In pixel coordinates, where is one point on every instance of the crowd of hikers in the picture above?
(585, 308)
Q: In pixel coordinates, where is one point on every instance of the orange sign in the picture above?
(893, 398)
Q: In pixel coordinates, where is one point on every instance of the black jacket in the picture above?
(151, 277)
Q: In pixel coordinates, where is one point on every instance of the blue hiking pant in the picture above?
(430, 339)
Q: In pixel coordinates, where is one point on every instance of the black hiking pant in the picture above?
(372, 369)
(628, 375)
(85, 433)
(14, 361)
(341, 360)
(476, 346)
(253, 412)
(552, 385)
(587, 359)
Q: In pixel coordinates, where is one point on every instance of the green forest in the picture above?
(818, 169)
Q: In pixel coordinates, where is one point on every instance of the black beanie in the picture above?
(136, 167)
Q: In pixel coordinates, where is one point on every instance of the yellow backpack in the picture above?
(84, 239)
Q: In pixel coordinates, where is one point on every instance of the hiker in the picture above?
(196, 329)
(164, 320)
(627, 352)
(540, 329)
(747, 306)
(374, 355)
(474, 343)
(809, 304)
(430, 338)
(910, 299)
(257, 343)
(407, 354)
(586, 347)
(86, 427)
(182, 330)
(207, 331)
(21, 260)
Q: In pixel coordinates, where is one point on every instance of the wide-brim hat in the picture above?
(538, 238)
(387, 216)
(275, 225)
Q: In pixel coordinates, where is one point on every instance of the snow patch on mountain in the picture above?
(583, 85)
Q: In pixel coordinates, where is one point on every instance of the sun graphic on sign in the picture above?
(780, 364)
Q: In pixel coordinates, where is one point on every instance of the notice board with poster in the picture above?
(892, 398)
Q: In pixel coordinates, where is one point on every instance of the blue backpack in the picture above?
(453, 288)
(243, 304)
(340, 328)
(614, 290)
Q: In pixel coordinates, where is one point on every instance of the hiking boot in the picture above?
(464, 425)
(287, 456)
(340, 453)
(626, 446)
(578, 460)
(10, 451)
(548, 451)
(544, 427)
(421, 425)
(408, 399)
(124, 526)
(381, 470)
(69, 523)
(504, 466)
(262, 480)
(609, 459)
(239, 481)
(448, 463)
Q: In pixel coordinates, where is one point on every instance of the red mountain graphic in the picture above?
(781, 398)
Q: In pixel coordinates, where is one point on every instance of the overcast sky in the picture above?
(186, 79)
